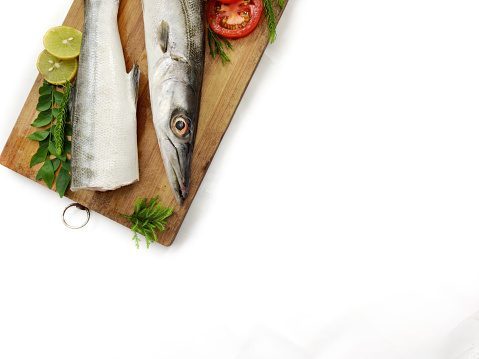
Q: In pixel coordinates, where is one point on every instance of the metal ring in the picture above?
(79, 206)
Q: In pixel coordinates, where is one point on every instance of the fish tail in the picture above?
(134, 76)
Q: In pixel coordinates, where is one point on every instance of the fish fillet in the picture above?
(103, 106)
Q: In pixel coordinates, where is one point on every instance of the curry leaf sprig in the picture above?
(147, 217)
(51, 104)
(216, 46)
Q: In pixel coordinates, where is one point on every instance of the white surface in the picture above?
(358, 133)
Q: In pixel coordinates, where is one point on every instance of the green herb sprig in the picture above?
(268, 7)
(216, 46)
(147, 217)
(59, 135)
(51, 105)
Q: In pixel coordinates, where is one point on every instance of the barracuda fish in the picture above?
(175, 47)
(103, 106)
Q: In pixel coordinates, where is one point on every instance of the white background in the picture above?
(339, 218)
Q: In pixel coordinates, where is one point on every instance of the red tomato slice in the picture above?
(233, 18)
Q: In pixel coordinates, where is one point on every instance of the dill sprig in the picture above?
(268, 7)
(216, 46)
(147, 217)
(59, 134)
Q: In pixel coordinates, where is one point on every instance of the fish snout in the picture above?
(177, 160)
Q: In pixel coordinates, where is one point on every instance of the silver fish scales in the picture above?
(103, 106)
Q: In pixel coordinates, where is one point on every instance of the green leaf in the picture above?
(45, 89)
(45, 98)
(68, 147)
(47, 173)
(41, 122)
(42, 106)
(67, 165)
(44, 102)
(55, 112)
(54, 152)
(46, 113)
(63, 180)
(44, 143)
(39, 135)
(40, 156)
(39, 175)
(43, 119)
(58, 97)
(56, 163)
(68, 129)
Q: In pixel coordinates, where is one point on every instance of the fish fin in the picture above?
(163, 35)
(134, 76)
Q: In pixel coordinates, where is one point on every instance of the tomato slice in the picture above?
(233, 18)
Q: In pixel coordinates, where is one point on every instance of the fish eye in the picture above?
(180, 126)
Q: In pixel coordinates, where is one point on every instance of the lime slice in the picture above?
(63, 42)
(55, 70)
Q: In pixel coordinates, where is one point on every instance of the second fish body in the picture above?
(103, 106)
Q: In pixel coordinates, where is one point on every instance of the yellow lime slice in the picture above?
(55, 70)
(63, 42)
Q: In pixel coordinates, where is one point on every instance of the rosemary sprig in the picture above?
(147, 217)
(216, 46)
(47, 153)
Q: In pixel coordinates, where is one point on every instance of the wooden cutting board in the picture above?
(223, 88)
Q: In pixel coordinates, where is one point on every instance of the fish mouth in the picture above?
(177, 171)
(179, 187)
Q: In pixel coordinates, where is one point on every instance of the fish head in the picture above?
(175, 122)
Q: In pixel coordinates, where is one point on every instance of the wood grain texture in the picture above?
(223, 88)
